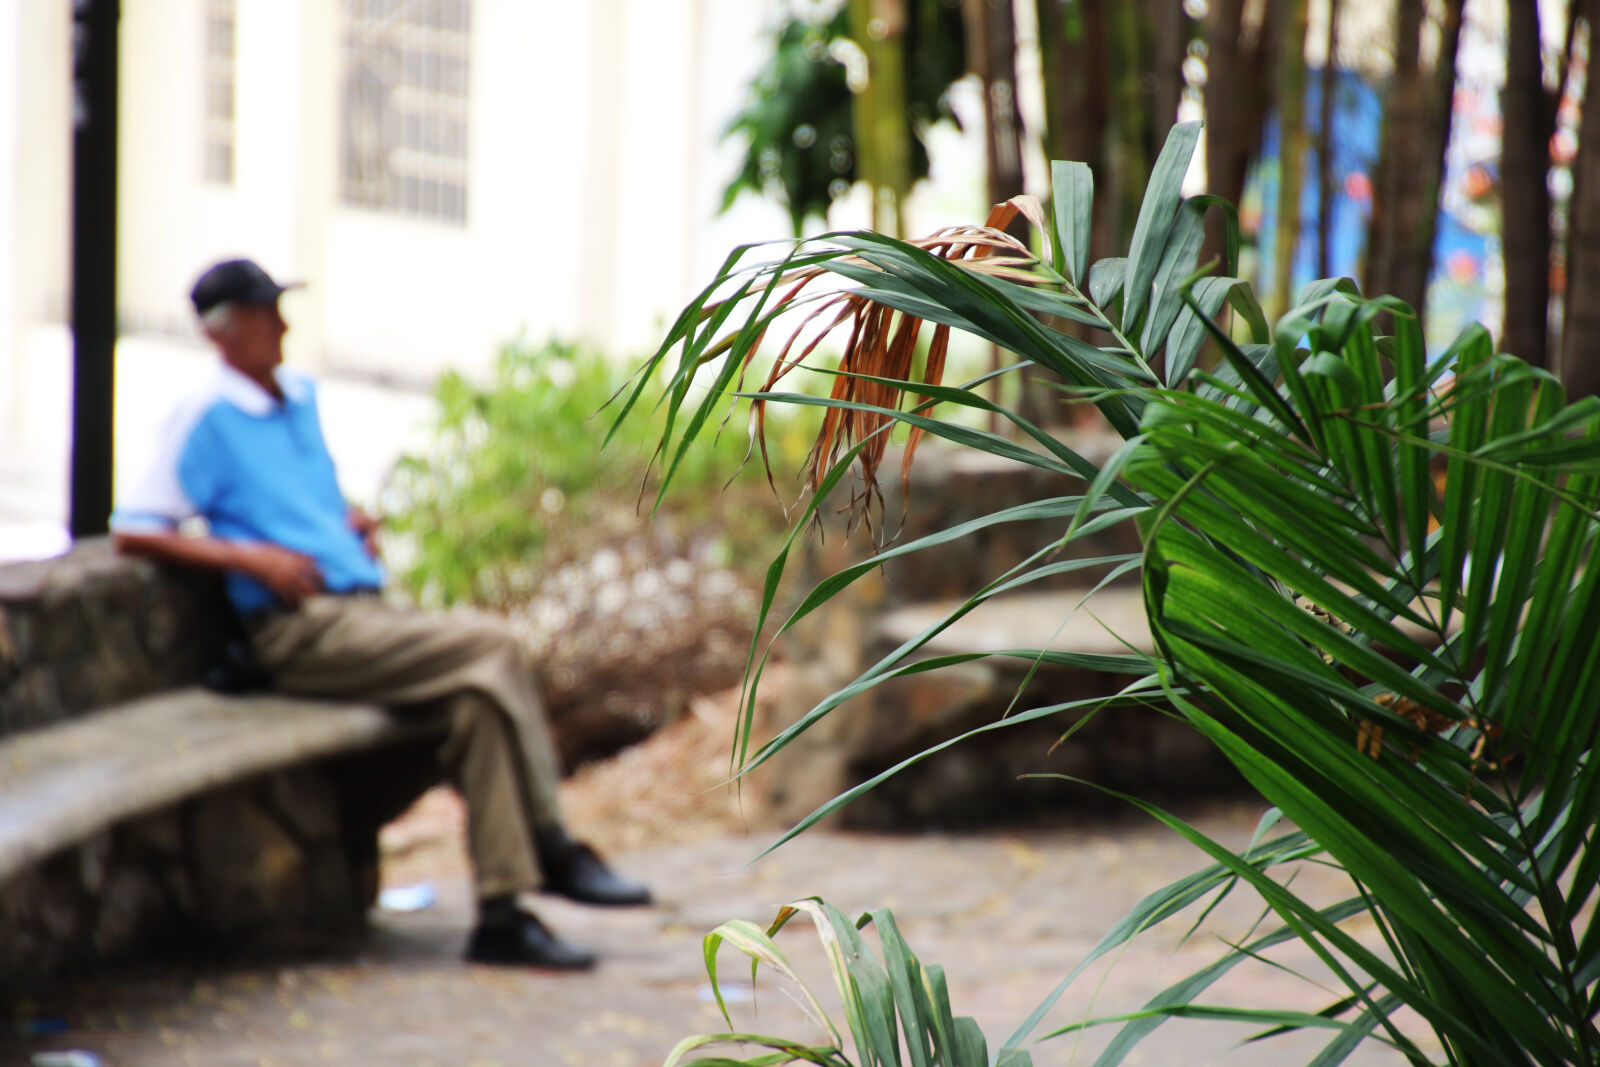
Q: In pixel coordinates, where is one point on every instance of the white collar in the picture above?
(246, 394)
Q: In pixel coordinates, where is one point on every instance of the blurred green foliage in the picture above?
(516, 480)
(798, 125)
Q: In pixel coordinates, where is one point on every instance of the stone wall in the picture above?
(265, 866)
(949, 486)
(1000, 775)
(284, 861)
(92, 628)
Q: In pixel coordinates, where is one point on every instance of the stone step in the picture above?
(1108, 622)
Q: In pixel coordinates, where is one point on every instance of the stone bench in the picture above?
(138, 807)
(62, 784)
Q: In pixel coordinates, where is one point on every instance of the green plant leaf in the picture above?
(1162, 195)
(1369, 584)
(1072, 185)
(1176, 265)
(1106, 279)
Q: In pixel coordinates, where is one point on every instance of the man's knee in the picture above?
(491, 632)
(473, 717)
(512, 650)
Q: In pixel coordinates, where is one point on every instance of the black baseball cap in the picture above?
(236, 281)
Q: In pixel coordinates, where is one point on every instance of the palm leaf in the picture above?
(1370, 579)
(888, 1003)
(1471, 899)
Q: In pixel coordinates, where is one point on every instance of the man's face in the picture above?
(253, 341)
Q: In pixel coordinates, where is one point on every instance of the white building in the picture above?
(445, 174)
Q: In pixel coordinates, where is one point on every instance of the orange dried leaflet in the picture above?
(1370, 735)
(882, 343)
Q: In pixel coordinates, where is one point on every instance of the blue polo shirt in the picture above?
(255, 469)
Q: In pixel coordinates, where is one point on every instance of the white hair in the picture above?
(217, 318)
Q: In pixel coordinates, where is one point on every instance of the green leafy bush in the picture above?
(517, 480)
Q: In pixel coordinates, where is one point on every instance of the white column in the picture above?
(319, 115)
(285, 115)
(35, 183)
(10, 324)
(602, 163)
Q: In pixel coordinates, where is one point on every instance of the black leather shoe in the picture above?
(574, 870)
(526, 942)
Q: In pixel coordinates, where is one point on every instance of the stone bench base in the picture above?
(251, 821)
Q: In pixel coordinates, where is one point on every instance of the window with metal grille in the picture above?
(217, 122)
(405, 106)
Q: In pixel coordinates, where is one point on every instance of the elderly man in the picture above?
(246, 454)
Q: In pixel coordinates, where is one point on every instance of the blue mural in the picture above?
(1464, 286)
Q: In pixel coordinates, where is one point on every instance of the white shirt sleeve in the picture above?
(157, 502)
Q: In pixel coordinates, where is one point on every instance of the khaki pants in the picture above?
(499, 752)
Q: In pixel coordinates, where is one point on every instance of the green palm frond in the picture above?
(1370, 577)
(891, 1000)
(880, 293)
(1408, 672)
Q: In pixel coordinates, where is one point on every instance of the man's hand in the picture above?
(292, 576)
(367, 528)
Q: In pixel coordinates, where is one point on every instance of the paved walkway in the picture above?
(1007, 914)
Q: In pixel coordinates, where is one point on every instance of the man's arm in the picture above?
(291, 575)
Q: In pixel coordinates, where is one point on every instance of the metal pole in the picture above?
(94, 260)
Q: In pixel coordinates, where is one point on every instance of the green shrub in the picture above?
(517, 479)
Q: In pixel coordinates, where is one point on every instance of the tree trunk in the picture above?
(1073, 63)
(1097, 120)
(992, 55)
(1061, 63)
(1072, 51)
(1529, 121)
(1416, 129)
(1392, 194)
(1292, 146)
(1325, 191)
(1580, 330)
(1236, 105)
(1170, 37)
(883, 135)
(992, 33)
(1130, 121)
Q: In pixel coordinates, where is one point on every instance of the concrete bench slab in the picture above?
(60, 784)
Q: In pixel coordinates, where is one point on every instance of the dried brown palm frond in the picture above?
(979, 280)
(881, 343)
